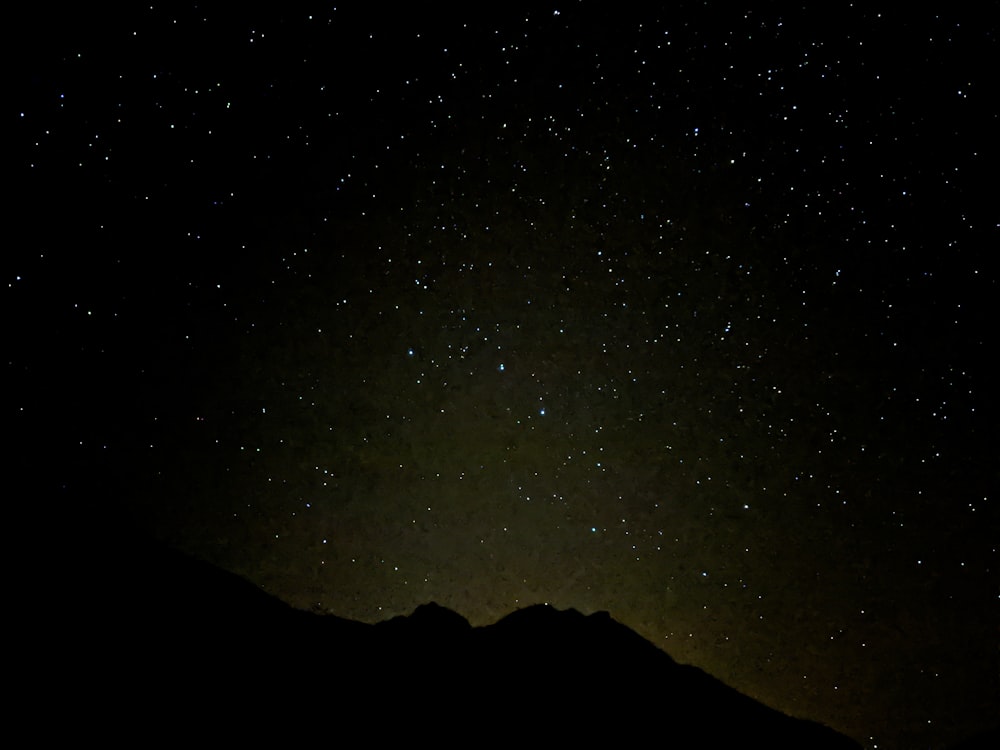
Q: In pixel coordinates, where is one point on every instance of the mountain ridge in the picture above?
(172, 636)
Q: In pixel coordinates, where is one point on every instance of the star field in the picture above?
(682, 314)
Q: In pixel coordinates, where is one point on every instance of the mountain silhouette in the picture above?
(163, 641)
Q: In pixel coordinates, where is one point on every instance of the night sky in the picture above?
(683, 314)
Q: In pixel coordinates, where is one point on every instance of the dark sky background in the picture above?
(681, 313)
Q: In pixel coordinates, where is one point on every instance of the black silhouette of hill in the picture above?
(164, 641)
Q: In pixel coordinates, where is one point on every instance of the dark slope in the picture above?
(168, 641)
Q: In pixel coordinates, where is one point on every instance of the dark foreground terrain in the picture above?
(168, 646)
